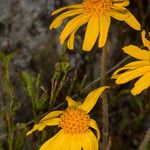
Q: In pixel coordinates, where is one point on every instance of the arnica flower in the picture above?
(97, 14)
(75, 124)
(139, 68)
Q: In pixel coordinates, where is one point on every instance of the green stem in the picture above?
(104, 98)
(9, 114)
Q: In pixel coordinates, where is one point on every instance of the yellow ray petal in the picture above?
(142, 84)
(122, 14)
(41, 125)
(64, 143)
(72, 25)
(86, 141)
(138, 64)
(71, 102)
(58, 21)
(53, 142)
(130, 75)
(119, 13)
(144, 40)
(77, 6)
(91, 34)
(32, 130)
(132, 65)
(104, 23)
(136, 52)
(120, 3)
(70, 42)
(75, 142)
(92, 98)
(52, 114)
(51, 122)
(94, 141)
(94, 125)
(132, 21)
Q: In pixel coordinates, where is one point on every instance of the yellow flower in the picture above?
(75, 125)
(139, 68)
(97, 14)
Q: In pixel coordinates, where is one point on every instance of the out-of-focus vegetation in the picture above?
(36, 74)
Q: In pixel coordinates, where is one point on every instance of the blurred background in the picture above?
(33, 61)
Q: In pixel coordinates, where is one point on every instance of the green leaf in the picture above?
(2, 55)
(28, 82)
(41, 102)
(6, 58)
(65, 66)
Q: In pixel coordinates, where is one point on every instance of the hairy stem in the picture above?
(104, 98)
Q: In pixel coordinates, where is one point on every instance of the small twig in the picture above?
(107, 73)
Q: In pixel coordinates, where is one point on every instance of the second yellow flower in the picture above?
(97, 14)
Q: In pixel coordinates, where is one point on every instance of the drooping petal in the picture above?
(130, 75)
(142, 84)
(91, 34)
(92, 98)
(32, 130)
(120, 3)
(72, 25)
(53, 142)
(119, 13)
(42, 124)
(52, 122)
(52, 114)
(131, 66)
(104, 23)
(94, 125)
(77, 6)
(71, 102)
(144, 40)
(136, 52)
(49, 120)
(132, 21)
(58, 21)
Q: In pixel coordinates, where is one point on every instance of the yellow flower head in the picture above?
(96, 13)
(139, 68)
(75, 125)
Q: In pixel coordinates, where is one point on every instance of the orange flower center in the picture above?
(97, 6)
(74, 121)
